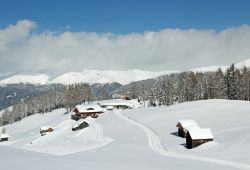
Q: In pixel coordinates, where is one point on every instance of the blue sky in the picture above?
(123, 17)
(66, 36)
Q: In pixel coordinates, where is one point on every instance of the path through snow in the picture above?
(155, 144)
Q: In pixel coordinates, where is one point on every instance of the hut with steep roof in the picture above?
(196, 137)
(185, 125)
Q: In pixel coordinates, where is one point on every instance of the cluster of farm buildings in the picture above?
(187, 128)
(81, 112)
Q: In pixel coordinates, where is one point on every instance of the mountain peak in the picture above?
(100, 76)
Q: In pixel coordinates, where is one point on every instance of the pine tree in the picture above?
(231, 83)
(245, 84)
(219, 84)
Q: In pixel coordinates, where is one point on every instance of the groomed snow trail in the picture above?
(155, 144)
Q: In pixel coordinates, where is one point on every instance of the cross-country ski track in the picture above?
(155, 143)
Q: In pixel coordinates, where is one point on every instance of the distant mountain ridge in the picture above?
(98, 76)
(86, 76)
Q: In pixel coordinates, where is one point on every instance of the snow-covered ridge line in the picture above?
(86, 76)
(109, 76)
(245, 63)
(103, 76)
(39, 79)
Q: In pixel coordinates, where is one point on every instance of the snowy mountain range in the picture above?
(97, 76)
(86, 76)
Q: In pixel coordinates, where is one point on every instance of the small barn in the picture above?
(82, 111)
(196, 137)
(81, 124)
(4, 137)
(115, 104)
(46, 129)
(185, 125)
(109, 107)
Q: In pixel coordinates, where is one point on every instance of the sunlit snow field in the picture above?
(143, 138)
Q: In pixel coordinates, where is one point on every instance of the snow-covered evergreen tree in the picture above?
(231, 83)
(219, 85)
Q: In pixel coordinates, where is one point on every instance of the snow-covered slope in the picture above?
(228, 120)
(210, 69)
(243, 63)
(143, 139)
(86, 76)
(25, 134)
(98, 76)
(26, 79)
(110, 76)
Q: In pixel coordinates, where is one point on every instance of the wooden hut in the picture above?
(185, 125)
(81, 124)
(4, 137)
(116, 104)
(196, 137)
(46, 129)
(109, 107)
(82, 111)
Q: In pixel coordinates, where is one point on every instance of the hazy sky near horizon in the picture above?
(62, 36)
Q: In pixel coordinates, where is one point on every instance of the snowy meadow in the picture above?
(142, 138)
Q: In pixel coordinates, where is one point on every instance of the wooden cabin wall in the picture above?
(196, 143)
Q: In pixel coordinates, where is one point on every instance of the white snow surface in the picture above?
(40, 79)
(201, 133)
(210, 69)
(243, 63)
(86, 76)
(133, 103)
(188, 123)
(46, 127)
(4, 135)
(26, 134)
(227, 119)
(88, 108)
(78, 123)
(143, 139)
(103, 76)
(109, 76)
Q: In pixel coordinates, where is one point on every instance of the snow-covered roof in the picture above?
(201, 134)
(89, 108)
(188, 124)
(45, 127)
(110, 107)
(120, 102)
(4, 135)
(115, 102)
(79, 122)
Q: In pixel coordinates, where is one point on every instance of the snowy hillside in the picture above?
(243, 63)
(210, 69)
(228, 119)
(40, 79)
(110, 76)
(98, 76)
(86, 76)
(25, 134)
(136, 139)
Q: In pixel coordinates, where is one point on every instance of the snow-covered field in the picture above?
(25, 134)
(229, 121)
(143, 138)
